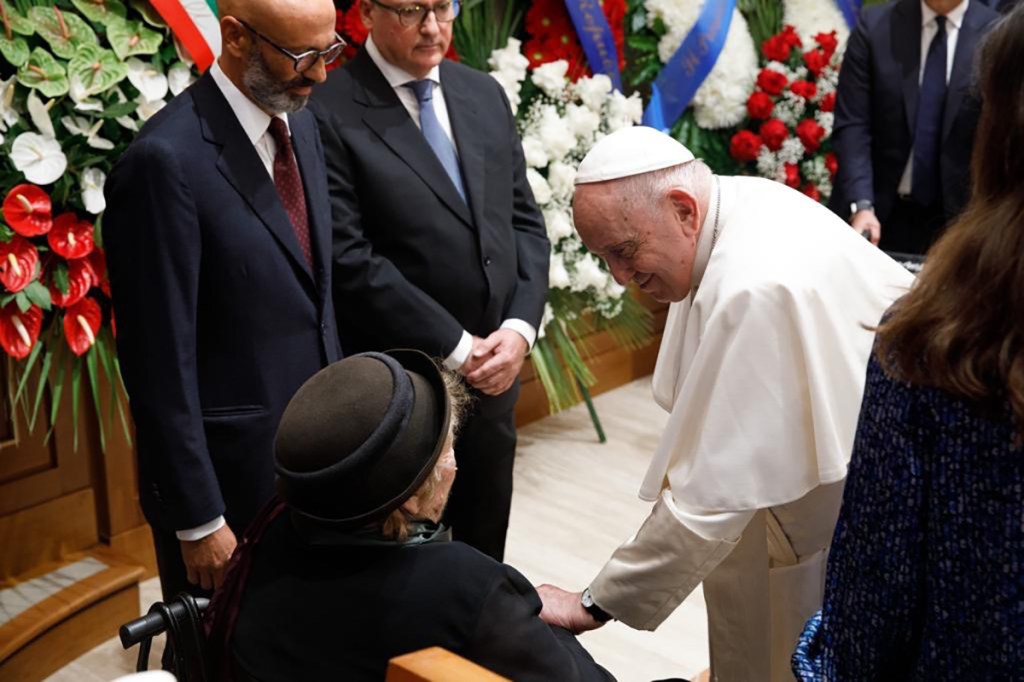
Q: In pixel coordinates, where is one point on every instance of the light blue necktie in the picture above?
(436, 137)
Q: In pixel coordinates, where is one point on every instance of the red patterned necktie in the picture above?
(289, 185)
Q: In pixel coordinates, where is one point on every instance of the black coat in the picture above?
(413, 265)
(876, 107)
(219, 317)
(341, 612)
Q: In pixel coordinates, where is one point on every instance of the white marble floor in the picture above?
(575, 501)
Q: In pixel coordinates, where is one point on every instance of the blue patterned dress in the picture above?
(926, 573)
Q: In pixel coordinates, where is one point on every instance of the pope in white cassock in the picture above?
(761, 367)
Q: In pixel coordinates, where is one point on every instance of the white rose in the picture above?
(561, 177)
(593, 91)
(550, 78)
(541, 190)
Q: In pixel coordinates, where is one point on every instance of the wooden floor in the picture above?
(575, 501)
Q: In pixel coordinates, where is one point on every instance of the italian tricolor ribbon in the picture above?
(195, 24)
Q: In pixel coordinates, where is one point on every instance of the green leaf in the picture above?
(76, 396)
(149, 15)
(21, 298)
(65, 32)
(57, 380)
(44, 375)
(27, 370)
(92, 369)
(118, 110)
(101, 11)
(131, 37)
(646, 43)
(6, 233)
(5, 300)
(18, 23)
(60, 278)
(15, 51)
(97, 69)
(44, 73)
(39, 295)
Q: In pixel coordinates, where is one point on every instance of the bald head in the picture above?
(255, 35)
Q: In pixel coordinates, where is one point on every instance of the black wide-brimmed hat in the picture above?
(361, 436)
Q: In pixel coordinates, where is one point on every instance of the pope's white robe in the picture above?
(762, 369)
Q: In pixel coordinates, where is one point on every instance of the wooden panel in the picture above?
(137, 545)
(437, 665)
(70, 639)
(46, 533)
(116, 478)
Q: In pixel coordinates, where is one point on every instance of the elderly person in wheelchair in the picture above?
(350, 567)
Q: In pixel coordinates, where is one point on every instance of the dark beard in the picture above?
(267, 91)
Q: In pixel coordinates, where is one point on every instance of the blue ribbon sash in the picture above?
(849, 8)
(678, 81)
(596, 38)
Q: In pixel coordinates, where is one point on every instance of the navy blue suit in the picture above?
(876, 112)
(219, 316)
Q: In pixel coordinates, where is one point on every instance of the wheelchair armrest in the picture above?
(153, 624)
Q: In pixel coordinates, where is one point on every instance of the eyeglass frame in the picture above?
(339, 45)
(429, 10)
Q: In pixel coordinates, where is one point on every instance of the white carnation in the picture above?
(533, 150)
(550, 78)
(583, 121)
(509, 69)
(559, 225)
(593, 91)
(540, 187)
(561, 177)
(811, 17)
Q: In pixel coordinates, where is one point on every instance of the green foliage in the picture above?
(710, 145)
(44, 73)
(15, 50)
(97, 69)
(764, 17)
(131, 38)
(63, 31)
(101, 11)
(480, 29)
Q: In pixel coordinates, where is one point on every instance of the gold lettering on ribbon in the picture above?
(596, 32)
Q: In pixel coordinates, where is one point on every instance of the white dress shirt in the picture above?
(256, 124)
(398, 78)
(929, 27)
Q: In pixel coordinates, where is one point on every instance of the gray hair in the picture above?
(643, 192)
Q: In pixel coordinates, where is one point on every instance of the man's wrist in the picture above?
(595, 611)
(862, 205)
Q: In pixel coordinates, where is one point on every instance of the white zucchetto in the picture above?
(631, 151)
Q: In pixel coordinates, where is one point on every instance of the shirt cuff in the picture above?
(200, 532)
(461, 353)
(525, 329)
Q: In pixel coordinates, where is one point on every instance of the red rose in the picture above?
(805, 89)
(774, 133)
(745, 146)
(19, 330)
(810, 133)
(771, 81)
(811, 191)
(776, 48)
(71, 237)
(816, 61)
(18, 261)
(82, 324)
(789, 34)
(81, 278)
(828, 43)
(28, 211)
(832, 164)
(760, 106)
(828, 102)
(792, 175)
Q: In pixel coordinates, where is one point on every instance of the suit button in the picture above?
(487, 261)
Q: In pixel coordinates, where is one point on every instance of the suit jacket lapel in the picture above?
(241, 166)
(462, 114)
(966, 43)
(314, 180)
(906, 47)
(387, 117)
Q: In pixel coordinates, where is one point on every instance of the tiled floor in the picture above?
(575, 501)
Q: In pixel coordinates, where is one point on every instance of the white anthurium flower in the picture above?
(148, 109)
(92, 190)
(76, 125)
(40, 114)
(81, 98)
(147, 79)
(179, 77)
(8, 114)
(125, 121)
(40, 158)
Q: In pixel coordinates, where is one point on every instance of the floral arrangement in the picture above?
(553, 36)
(560, 121)
(77, 79)
(789, 115)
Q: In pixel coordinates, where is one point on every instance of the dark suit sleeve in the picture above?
(365, 282)
(532, 246)
(153, 241)
(852, 131)
(511, 639)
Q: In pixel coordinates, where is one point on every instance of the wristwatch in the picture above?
(862, 205)
(599, 614)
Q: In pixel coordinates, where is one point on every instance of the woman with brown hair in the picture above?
(926, 575)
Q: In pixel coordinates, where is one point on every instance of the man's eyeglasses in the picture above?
(415, 15)
(305, 60)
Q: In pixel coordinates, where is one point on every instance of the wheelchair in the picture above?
(182, 619)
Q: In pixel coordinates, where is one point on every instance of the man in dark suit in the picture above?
(905, 118)
(438, 244)
(218, 238)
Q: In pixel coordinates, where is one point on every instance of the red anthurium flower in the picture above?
(18, 261)
(27, 209)
(745, 146)
(81, 278)
(82, 324)
(19, 331)
(771, 81)
(71, 237)
(774, 133)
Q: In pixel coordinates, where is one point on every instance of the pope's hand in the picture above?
(206, 559)
(866, 222)
(503, 353)
(565, 610)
